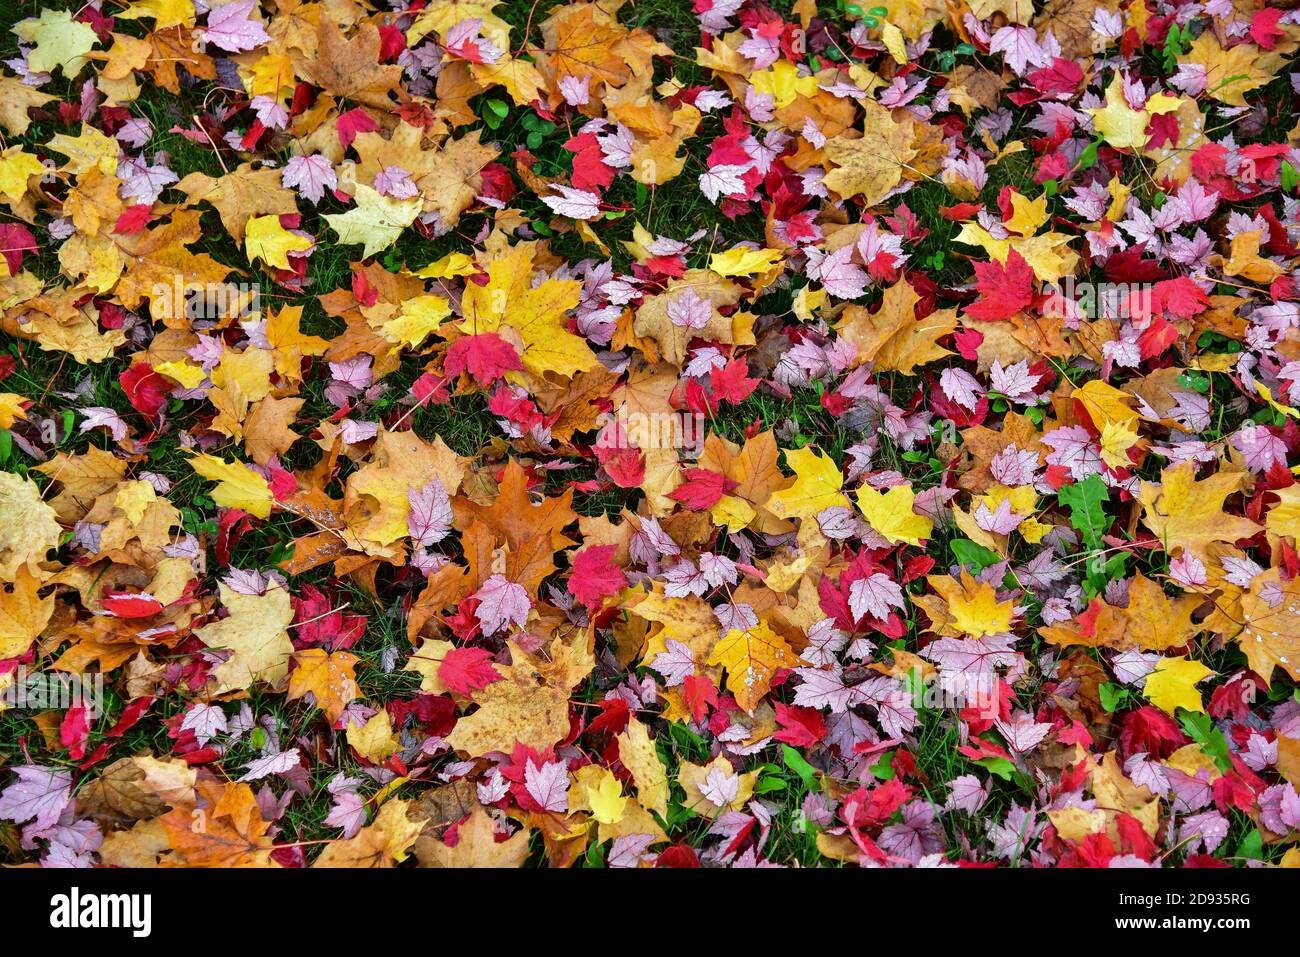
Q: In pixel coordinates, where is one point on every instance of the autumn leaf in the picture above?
(892, 515)
(893, 338)
(816, 487)
(1186, 513)
(255, 635)
(329, 677)
(871, 165)
(23, 614)
(238, 486)
(1173, 684)
(751, 657)
(384, 843)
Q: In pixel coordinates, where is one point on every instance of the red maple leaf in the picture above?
(486, 357)
(702, 489)
(1004, 289)
(595, 576)
(145, 389)
(465, 670)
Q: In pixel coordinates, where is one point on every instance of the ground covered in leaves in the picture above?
(641, 434)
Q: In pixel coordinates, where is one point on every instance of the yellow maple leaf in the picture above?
(783, 82)
(1122, 126)
(606, 799)
(892, 338)
(891, 514)
(255, 634)
(238, 486)
(450, 265)
(88, 150)
(11, 409)
(134, 499)
(751, 657)
(1270, 634)
(1188, 514)
(28, 526)
(60, 42)
(817, 486)
(636, 749)
(415, 320)
(165, 13)
(384, 843)
(1116, 440)
(743, 261)
(1154, 621)
(187, 374)
(267, 240)
(872, 165)
(373, 740)
(973, 605)
(376, 221)
(1106, 404)
(23, 614)
(16, 167)
(330, 677)
(536, 314)
(1173, 684)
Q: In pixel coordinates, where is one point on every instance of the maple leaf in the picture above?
(534, 314)
(532, 533)
(476, 845)
(1187, 514)
(595, 576)
(1122, 126)
(530, 706)
(872, 165)
(234, 833)
(1005, 289)
(1173, 684)
(973, 606)
(59, 42)
(376, 222)
(1270, 625)
(28, 527)
(23, 614)
(267, 240)
(606, 800)
(892, 338)
(816, 486)
(39, 795)
(466, 670)
(751, 657)
(385, 842)
(637, 751)
(374, 740)
(243, 196)
(330, 678)
(486, 356)
(238, 486)
(255, 634)
(891, 515)
(350, 68)
(1155, 622)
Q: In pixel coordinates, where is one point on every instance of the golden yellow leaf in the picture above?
(751, 657)
(330, 677)
(891, 514)
(255, 632)
(1173, 684)
(238, 485)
